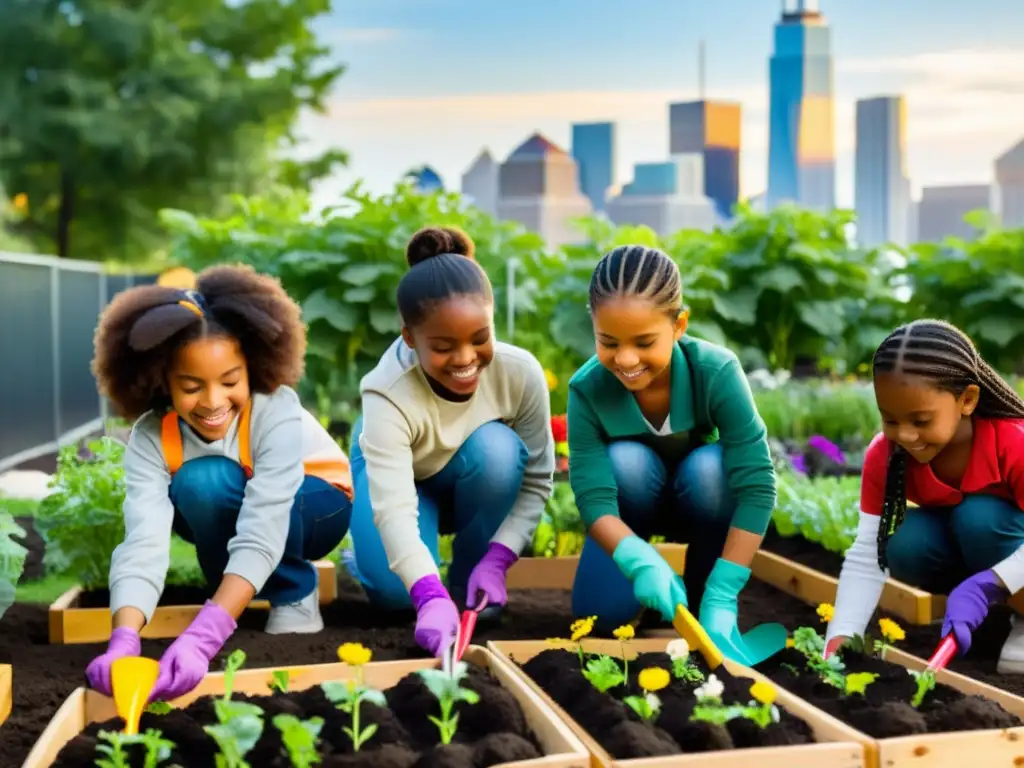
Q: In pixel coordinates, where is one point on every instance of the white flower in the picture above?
(775, 714)
(653, 701)
(678, 649)
(713, 688)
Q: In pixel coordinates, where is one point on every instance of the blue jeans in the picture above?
(690, 502)
(938, 547)
(470, 497)
(207, 495)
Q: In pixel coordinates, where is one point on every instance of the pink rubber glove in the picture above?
(187, 661)
(437, 618)
(124, 641)
(488, 578)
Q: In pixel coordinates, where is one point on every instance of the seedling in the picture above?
(580, 629)
(650, 680)
(858, 682)
(279, 681)
(710, 707)
(159, 708)
(300, 738)
(240, 724)
(762, 709)
(448, 691)
(812, 645)
(925, 684)
(347, 695)
(683, 667)
(624, 634)
(604, 673)
(158, 749)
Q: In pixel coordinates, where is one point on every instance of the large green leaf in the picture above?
(825, 317)
(739, 306)
(364, 274)
(385, 320)
(782, 278)
(320, 306)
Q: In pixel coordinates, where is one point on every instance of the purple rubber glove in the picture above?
(124, 641)
(488, 578)
(437, 618)
(968, 605)
(187, 660)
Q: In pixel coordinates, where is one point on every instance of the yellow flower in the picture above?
(582, 627)
(653, 678)
(790, 642)
(20, 202)
(354, 654)
(625, 632)
(891, 631)
(763, 692)
(551, 379)
(826, 611)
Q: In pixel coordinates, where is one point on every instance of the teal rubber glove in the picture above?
(718, 611)
(655, 584)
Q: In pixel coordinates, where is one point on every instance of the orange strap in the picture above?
(332, 469)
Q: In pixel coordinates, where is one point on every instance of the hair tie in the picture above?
(194, 302)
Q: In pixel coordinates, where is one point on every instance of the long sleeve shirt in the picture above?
(409, 434)
(282, 434)
(709, 394)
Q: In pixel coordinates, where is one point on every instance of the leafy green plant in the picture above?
(925, 680)
(845, 412)
(239, 724)
(651, 680)
(348, 695)
(448, 691)
(279, 681)
(683, 667)
(823, 510)
(158, 749)
(300, 738)
(604, 673)
(809, 642)
(858, 682)
(12, 559)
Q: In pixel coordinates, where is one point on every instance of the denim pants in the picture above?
(207, 494)
(470, 497)
(938, 547)
(689, 502)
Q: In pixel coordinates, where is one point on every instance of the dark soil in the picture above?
(884, 710)
(491, 731)
(173, 595)
(617, 728)
(35, 545)
(800, 550)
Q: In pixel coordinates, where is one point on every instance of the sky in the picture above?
(436, 81)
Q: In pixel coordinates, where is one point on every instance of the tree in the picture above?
(113, 109)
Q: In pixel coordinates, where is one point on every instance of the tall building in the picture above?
(711, 129)
(480, 183)
(538, 186)
(940, 214)
(667, 197)
(881, 186)
(1009, 194)
(801, 141)
(593, 147)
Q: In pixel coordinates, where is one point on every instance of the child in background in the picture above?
(643, 414)
(952, 442)
(216, 455)
(455, 435)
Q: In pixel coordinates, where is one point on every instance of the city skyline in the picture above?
(404, 102)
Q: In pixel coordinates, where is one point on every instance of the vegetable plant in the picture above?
(12, 558)
(448, 691)
(239, 724)
(158, 749)
(347, 695)
(651, 680)
(300, 738)
(823, 510)
(925, 680)
(683, 667)
(712, 709)
(279, 680)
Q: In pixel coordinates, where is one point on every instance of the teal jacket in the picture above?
(710, 401)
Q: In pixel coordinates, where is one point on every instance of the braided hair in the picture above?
(635, 271)
(943, 354)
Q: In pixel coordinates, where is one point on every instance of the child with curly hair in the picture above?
(455, 434)
(222, 453)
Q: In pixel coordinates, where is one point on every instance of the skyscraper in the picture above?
(1009, 190)
(593, 147)
(881, 187)
(801, 143)
(710, 129)
(480, 183)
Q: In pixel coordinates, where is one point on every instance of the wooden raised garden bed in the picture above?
(961, 722)
(814, 587)
(70, 622)
(803, 737)
(6, 691)
(509, 726)
(559, 572)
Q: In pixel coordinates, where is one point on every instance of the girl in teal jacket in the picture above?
(664, 437)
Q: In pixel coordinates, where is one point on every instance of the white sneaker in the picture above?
(301, 618)
(1011, 658)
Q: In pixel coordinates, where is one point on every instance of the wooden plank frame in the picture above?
(838, 745)
(912, 605)
(562, 748)
(559, 572)
(70, 624)
(6, 691)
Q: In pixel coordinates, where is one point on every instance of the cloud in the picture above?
(365, 35)
(961, 115)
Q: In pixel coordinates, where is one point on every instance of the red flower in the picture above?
(560, 428)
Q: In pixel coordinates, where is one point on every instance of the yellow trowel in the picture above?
(132, 679)
(693, 633)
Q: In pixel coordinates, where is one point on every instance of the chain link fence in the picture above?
(48, 313)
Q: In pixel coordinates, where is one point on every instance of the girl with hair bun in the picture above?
(223, 453)
(454, 436)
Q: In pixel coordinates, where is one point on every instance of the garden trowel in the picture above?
(466, 627)
(132, 679)
(943, 654)
(693, 633)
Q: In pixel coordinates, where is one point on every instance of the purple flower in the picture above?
(799, 463)
(827, 447)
